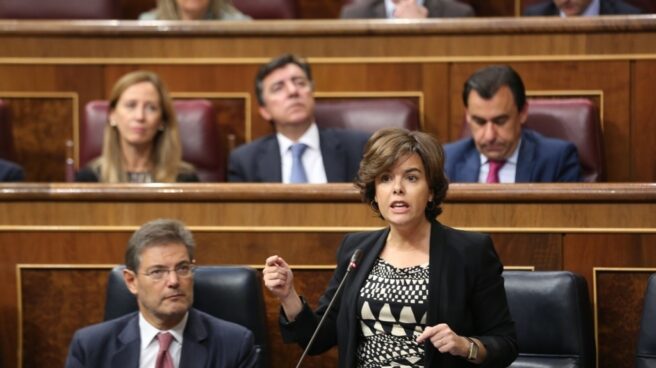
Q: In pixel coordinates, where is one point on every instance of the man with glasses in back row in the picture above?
(166, 332)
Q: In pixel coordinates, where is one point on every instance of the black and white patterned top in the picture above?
(392, 309)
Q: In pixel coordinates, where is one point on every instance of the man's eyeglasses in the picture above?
(183, 271)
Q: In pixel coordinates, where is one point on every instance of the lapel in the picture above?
(525, 159)
(435, 8)
(467, 170)
(267, 160)
(127, 355)
(333, 157)
(378, 9)
(350, 297)
(552, 9)
(439, 285)
(194, 348)
(606, 7)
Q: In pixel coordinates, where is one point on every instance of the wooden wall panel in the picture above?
(643, 117)
(72, 299)
(40, 136)
(583, 252)
(620, 299)
(542, 252)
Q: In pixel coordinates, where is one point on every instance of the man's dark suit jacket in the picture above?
(208, 342)
(10, 171)
(259, 161)
(365, 9)
(466, 292)
(540, 160)
(606, 7)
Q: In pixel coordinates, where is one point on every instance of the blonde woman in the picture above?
(141, 141)
(194, 10)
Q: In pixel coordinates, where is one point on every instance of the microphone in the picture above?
(353, 264)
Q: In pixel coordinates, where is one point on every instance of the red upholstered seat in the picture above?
(61, 9)
(268, 9)
(198, 135)
(571, 119)
(6, 135)
(367, 115)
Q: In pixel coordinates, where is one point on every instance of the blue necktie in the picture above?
(298, 172)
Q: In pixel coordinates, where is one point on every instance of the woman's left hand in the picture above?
(445, 340)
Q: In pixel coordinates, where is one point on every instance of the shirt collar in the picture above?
(592, 10)
(389, 7)
(149, 332)
(310, 138)
(510, 160)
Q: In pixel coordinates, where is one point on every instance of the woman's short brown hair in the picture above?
(386, 147)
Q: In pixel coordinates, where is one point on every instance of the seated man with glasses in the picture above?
(166, 332)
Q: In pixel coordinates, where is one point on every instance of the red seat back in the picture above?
(268, 9)
(61, 9)
(367, 115)
(6, 134)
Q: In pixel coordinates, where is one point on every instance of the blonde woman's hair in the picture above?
(217, 9)
(167, 151)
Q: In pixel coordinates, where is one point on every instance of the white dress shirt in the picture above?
(312, 159)
(592, 10)
(507, 171)
(390, 7)
(150, 344)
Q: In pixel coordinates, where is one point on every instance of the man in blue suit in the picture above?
(584, 8)
(499, 150)
(166, 332)
(9, 171)
(284, 90)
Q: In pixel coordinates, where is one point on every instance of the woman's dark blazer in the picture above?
(466, 292)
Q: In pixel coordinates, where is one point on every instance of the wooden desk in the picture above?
(58, 241)
(49, 70)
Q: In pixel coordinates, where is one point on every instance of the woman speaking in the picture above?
(424, 294)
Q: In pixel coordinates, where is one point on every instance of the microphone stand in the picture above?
(355, 258)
